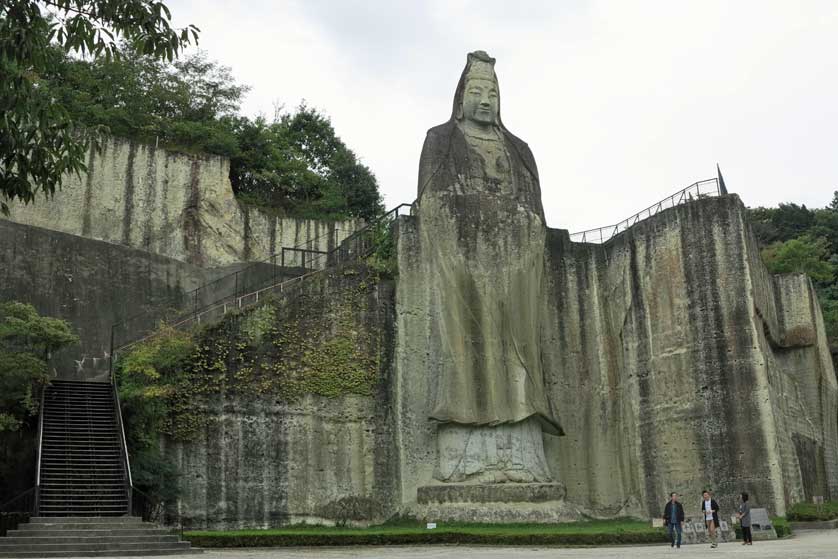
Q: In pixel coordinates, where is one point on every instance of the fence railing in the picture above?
(701, 189)
(18, 509)
(287, 262)
(281, 274)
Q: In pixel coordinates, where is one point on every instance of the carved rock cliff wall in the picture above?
(675, 363)
(171, 204)
(299, 422)
(92, 284)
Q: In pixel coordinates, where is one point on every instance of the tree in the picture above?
(39, 141)
(797, 239)
(188, 105)
(804, 254)
(26, 342)
(300, 165)
(792, 220)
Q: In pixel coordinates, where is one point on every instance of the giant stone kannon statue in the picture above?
(482, 235)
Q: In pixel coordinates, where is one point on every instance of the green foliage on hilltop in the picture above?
(295, 165)
(187, 105)
(299, 164)
(798, 239)
(40, 141)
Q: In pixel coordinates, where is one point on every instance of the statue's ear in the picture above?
(459, 115)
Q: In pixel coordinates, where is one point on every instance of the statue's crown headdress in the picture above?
(481, 65)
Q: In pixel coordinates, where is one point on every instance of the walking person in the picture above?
(744, 516)
(710, 510)
(673, 519)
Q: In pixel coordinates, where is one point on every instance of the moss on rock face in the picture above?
(323, 340)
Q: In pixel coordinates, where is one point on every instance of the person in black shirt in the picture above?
(673, 519)
(744, 516)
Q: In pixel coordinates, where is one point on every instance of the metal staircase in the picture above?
(83, 499)
(82, 470)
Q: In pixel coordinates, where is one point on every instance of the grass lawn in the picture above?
(595, 532)
(809, 512)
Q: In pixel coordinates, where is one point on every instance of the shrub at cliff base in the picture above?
(27, 340)
(808, 512)
(612, 532)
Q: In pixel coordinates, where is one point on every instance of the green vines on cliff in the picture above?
(383, 258)
(322, 341)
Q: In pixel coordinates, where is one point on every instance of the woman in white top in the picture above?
(710, 510)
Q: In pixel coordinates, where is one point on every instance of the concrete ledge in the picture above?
(491, 493)
(815, 525)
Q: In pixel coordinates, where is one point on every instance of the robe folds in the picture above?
(482, 236)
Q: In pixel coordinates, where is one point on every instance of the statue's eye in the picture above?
(475, 91)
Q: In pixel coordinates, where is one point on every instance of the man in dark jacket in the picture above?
(710, 512)
(673, 519)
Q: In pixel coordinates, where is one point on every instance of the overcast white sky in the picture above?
(621, 102)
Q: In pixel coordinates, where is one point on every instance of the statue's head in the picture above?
(478, 97)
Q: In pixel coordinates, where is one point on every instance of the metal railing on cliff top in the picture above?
(248, 286)
(701, 189)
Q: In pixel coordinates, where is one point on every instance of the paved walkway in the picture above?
(804, 545)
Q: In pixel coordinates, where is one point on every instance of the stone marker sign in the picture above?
(761, 526)
(760, 520)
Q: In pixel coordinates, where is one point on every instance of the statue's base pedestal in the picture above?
(494, 503)
(490, 493)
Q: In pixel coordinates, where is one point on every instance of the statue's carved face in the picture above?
(480, 102)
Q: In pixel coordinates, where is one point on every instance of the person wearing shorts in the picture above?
(710, 512)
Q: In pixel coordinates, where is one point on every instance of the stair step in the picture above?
(128, 532)
(81, 439)
(102, 546)
(63, 509)
(73, 429)
(47, 523)
(92, 477)
(82, 420)
(49, 490)
(79, 410)
(60, 478)
(58, 460)
(110, 553)
(84, 500)
(110, 446)
(56, 453)
(87, 502)
(84, 538)
(89, 475)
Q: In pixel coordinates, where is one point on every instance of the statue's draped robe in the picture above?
(482, 237)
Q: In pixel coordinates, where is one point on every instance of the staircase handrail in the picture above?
(10, 520)
(252, 264)
(16, 498)
(154, 502)
(236, 300)
(125, 460)
(40, 448)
